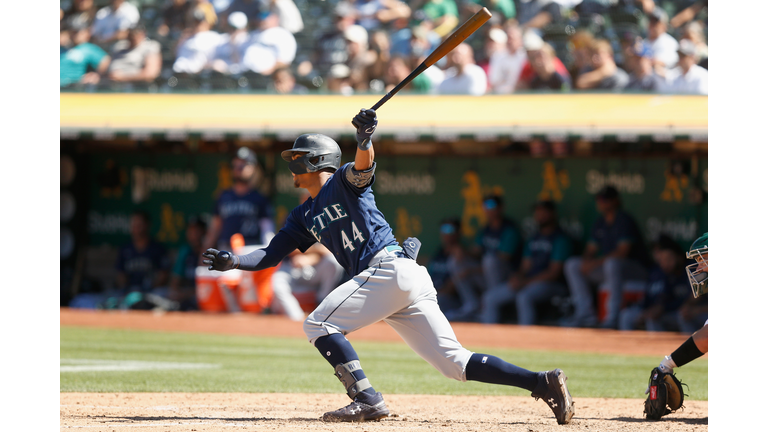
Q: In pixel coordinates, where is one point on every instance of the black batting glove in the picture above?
(219, 260)
(365, 122)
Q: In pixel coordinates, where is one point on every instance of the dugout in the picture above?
(437, 156)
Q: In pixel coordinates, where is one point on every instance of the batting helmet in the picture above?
(317, 152)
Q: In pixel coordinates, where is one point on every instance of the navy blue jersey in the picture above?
(242, 214)
(544, 249)
(140, 265)
(344, 218)
(623, 229)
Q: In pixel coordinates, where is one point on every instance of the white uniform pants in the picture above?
(400, 292)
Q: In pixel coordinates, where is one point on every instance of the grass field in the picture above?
(101, 360)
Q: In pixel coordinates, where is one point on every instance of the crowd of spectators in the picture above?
(354, 46)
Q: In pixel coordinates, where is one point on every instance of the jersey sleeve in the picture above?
(510, 240)
(181, 257)
(561, 249)
(296, 230)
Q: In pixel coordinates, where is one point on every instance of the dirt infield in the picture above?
(176, 412)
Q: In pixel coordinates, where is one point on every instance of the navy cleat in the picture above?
(555, 393)
(359, 411)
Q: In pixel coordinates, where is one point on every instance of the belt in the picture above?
(393, 251)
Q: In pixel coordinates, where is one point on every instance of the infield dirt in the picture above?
(206, 412)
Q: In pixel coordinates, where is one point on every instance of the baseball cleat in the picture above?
(358, 412)
(555, 393)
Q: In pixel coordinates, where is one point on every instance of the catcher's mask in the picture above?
(698, 271)
(316, 152)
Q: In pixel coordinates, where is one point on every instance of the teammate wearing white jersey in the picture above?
(386, 282)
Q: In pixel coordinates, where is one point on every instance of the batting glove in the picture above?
(365, 122)
(220, 260)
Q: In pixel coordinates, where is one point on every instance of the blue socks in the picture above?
(336, 349)
(493, 370)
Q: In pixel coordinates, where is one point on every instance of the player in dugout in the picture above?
(386, 282)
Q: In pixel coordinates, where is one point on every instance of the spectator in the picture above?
(270, 47)
(417, 41)
(253, 9)
(463, 75)
(663, 45)
(338, 80)
(80, 14)
(581, 42)
(546, 76)
(614, 254)
(506, 65)
(173, 18)
(284, 82)
(288, 15)
(642, 75)
(241, 209)
(694, 32)
(688, 77)
(142, 266)
(498, 244)
(537, 14)
(688, 14)
(182, 287)
(197, 47)
(331, 47)
(443, 15)
(505, 9)
(399, 68)
(135, 59)
(227, 59)
(541, 271)
(533, 42)
(206, 8)
(112, 22)
(359, 57)
(666, 291)
(377, 14)
(605, 75)
(495, 41)
(380, 45)
(77, 55)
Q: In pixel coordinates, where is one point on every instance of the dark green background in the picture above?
(414, 212)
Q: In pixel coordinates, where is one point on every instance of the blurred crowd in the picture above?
(538, 276)
(354, 46)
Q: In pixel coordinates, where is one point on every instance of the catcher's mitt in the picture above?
(665, 394)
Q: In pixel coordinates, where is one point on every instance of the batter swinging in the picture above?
(387, 283)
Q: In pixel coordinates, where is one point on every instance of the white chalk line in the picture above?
(93, 365)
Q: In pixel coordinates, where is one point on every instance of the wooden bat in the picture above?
(457, 37)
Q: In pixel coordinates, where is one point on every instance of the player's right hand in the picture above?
(218, 260)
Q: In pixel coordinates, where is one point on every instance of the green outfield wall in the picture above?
(665, 194)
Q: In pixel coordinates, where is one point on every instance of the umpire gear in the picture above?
(317, 152)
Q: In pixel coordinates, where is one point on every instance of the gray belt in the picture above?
(393, 251)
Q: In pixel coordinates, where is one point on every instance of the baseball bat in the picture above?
(457, 37)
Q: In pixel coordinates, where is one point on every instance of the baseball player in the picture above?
(386, 282)
(698, 344)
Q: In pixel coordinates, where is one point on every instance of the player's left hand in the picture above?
(365, 122)
(218, 260)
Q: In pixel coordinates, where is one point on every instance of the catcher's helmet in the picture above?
(317, 152)
(698, 271)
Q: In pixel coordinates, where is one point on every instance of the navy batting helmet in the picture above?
(317, 152)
